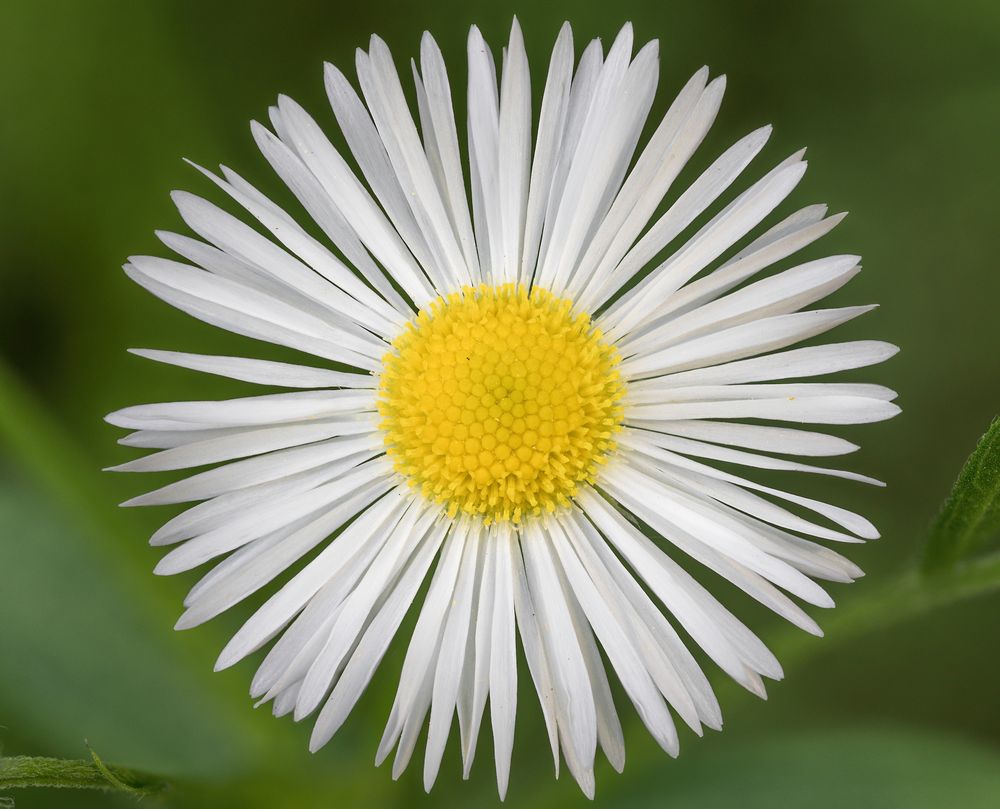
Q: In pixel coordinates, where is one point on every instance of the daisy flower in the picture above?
(523, 376)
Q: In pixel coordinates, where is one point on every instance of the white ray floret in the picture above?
(683, 290)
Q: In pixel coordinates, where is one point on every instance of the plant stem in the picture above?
(38, 771)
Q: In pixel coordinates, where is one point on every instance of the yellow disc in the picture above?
(499, 402)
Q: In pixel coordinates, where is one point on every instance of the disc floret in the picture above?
(499, 402)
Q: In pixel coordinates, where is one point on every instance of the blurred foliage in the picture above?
(899, 103)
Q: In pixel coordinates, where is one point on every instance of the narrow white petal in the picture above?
(482, 649)
(780, 294)
(574, 697)
(323, 209)
(270, 516)
(441, 123)
(682, 129)
(674, 671)
(348, 451)
(725, 488)
(514, 152)
(615, 639)
(503, 659)
(373, 524)
(723, 638)
(369, 151)
(240, 240)
(416, 681)
(262, 372)
(252, 410)
(741, 341)
(551, 121)
(580, 98)
(534, 652)
(313, 272)
(353, 201)
(244, 310)
(799, 362)
(384, 94)
(810, 409)
(219, 510)
(655, 445)
(230, 584)
(797, 231)
(669, 511)
(450, 666)
(369, 652)
(483, 132)
(240, 444)
(358, 607)
(642, 302)
(783, 440)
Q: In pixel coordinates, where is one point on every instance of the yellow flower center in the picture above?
(499, 402)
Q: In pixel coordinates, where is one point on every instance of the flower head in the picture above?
(521, 397)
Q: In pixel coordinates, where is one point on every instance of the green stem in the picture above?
(37, 771)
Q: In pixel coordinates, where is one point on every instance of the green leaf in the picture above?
(970, 517)
(39, 771)
(861, 766)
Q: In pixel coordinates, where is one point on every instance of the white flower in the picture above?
(558, 400)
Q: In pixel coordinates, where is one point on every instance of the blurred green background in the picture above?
(899, 104)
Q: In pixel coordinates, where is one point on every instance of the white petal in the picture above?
(324, 211)
(811, 409)
(262, 372)
(220, 509)
(514, 153)
(369, 652)
(503, 659)
(451, 662)
(483, 131)
(574, 696)
(367, 532)
(349, 298)
(754, 436)
(252, 410)
(270, 516)
(616, 641)
(384, 94)
(479, 681)
(240, 240)
(683, 128)
(654, 447)
(368, 149)
(534, 653)
(797, 231)
(714, 629)
(669, 511)
(240, 444)
(551, 120)
(413, 697)
(349, 451)
(230, 584)
(799, 362)
(353, 201)
(244, 310)
(641, 303)
(741, 341)
(780, 294)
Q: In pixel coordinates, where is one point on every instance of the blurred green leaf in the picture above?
(86, 639)
(970, 517)
(39, 771)
(862, 766)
